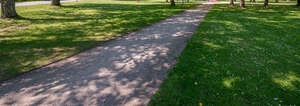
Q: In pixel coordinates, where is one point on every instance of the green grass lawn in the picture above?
(43, 34)
(238, 57)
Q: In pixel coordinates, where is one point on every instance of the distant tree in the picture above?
(242, 3)
(298, 2)
(8, 9)
(172, 2)
(167, 1)
(252, 1)
(55, 2)
(266, 4)
(276, 1)
(231, 2)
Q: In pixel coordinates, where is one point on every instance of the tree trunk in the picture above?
(253, 1)
(55, 2)
(167, 1)
(231, 2)
(266, 4)
(298, 2)
(8, 9)
(242, 3)
(276, 1)
(172, 2)
(287, 0)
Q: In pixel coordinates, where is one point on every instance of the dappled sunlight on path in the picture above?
(126, 71)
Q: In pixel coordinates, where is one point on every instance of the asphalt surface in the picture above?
(126, 71)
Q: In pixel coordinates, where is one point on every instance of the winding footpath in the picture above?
(126, 71)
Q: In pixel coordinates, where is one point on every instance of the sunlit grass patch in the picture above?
(238, 57)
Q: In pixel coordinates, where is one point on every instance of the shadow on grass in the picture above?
(238, 57)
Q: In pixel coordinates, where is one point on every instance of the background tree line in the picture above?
(266, 3)
(8, 9)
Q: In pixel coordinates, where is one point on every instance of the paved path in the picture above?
(125, 71)
(39, 2)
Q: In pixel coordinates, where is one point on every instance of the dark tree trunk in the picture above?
(231, 2)
(55, 2)
(242, 3)
(8, 9)
(276, 1)
(266, 4)
(172, 2)
(298, 2)
(167, 1)
(253, 1)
